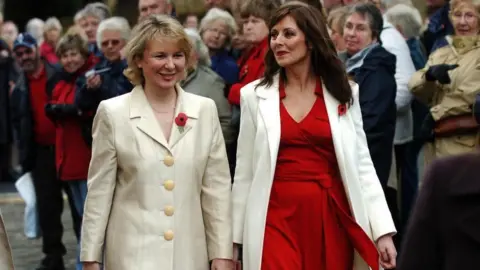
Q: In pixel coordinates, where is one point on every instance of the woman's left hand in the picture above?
(222, 264)
(388, 253)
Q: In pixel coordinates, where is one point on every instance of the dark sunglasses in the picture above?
(114, 42)
(21, 53)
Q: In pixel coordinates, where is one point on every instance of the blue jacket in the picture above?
(419, 110)
(225, 66)
(438, 28)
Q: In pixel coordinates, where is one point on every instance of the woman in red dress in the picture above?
(306, 195)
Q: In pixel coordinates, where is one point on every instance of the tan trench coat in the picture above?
(455, 98)
(152, 203)
(6, 260)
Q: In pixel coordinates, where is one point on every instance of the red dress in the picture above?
(309, 224)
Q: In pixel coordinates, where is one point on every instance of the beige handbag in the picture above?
(6, 259)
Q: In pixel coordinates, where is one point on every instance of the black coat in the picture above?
(22, 118)
(378, 89)
(8, 73)
(444, 230)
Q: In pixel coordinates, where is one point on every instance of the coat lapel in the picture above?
(269, 108)
(141, 110)
(191, 110)
(142, 113)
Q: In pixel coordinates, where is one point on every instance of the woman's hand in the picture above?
(388, 253)
(91, 266)
(222, 264)
(94, 82)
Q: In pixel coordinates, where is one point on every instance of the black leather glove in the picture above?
(57, 111)
(439, 73)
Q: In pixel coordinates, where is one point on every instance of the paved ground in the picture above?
(27, 253)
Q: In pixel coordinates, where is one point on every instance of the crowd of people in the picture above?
(279, 127)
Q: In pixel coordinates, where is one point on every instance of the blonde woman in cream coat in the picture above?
(159, 182)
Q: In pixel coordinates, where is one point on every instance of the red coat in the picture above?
(47, 51)
(250, 71)
(72, 152)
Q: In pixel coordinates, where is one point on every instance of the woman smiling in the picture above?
(448, 85)
(159, 182)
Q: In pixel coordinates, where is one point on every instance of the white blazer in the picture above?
(257, 151)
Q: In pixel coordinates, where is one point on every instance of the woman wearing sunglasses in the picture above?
(107, 80)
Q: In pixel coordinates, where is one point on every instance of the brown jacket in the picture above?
(6, 260)
(444, 231)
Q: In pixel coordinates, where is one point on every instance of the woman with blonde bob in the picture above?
(159, 183)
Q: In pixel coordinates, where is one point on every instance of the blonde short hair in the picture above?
(52, 23)
(454, 4)
(154, 27)
(337, 18)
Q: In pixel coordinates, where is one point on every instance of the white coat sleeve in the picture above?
(379, 215)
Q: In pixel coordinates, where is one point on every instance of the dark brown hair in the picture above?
(72, 41)
(262, 9)
(324, 60)
(314, 3)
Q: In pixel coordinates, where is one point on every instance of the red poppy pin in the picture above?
(342, 109)
(181, 121)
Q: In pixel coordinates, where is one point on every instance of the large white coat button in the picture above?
(168, 160)
(168, 210)
(168, 235)
(169, 185)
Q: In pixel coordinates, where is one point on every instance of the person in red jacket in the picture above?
(255, 15)
(51, 33)
(73, 154)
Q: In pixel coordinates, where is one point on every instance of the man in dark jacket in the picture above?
(8, 76)
(36, 132)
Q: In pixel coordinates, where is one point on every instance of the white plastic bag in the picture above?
(26, 189)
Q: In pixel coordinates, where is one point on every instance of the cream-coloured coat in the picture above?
(154, 204)
(452, 99)
(257, 151)
(6, 259)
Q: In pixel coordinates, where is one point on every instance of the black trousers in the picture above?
(48, 189)
(5, 162)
